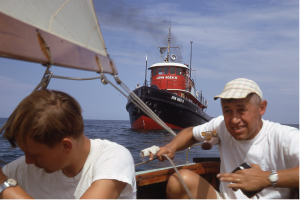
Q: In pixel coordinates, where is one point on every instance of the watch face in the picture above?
(273, 177)
(12, 182)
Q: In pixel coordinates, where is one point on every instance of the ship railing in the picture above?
(199, 97)
(181, 85)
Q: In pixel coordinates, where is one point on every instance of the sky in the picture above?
(258, 40)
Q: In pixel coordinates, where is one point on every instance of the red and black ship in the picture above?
(171, 95)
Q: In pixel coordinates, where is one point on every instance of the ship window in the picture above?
(160, 70)
(183, 72)
(154, 72)
(178, 71)
(166, 70)
(172, 70)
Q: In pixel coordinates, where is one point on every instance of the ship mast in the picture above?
(162, 49)
(169, 40)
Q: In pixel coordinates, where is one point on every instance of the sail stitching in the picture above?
(88, 39)
(56, 13)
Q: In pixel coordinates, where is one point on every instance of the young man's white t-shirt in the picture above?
(276, 147)
(106, 160)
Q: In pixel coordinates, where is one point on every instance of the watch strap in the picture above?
(3, 186)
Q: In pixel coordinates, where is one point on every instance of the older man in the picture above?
(272, 149)
(60, 162)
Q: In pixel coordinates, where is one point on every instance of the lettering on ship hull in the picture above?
(177, 99)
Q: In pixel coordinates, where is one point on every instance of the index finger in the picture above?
(151, 156)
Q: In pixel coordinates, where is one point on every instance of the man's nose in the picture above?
(236, 118)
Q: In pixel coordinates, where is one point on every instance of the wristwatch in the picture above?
(8, 183)
(273, 178)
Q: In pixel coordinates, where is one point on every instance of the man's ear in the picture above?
(263, 107)
(67, 145)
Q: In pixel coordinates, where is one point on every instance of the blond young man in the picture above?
(60, 161)
(272, 149)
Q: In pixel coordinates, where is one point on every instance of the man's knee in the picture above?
(197, 185)
(175, 188)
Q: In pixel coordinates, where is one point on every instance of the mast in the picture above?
(169, 40)
(162, 49)
(145, 84)
(191, 61)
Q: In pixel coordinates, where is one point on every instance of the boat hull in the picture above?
(175, 111)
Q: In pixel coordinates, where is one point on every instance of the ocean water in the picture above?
(119, 131)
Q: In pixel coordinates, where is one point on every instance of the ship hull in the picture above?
(175, 111)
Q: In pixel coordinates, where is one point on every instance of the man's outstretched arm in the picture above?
(183, 140)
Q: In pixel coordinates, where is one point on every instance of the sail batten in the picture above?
(70, 28)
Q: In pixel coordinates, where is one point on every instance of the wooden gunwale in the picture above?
(164, 174)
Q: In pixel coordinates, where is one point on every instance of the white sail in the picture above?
(69, 27)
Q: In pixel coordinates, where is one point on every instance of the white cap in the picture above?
(239, 89)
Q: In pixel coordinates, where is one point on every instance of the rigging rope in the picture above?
(176, 170)
(181, 180)
(138, 102)
(3, 161)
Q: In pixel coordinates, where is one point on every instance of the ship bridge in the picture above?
(175, 78)
(169, 76)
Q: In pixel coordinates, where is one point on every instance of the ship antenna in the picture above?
(169, 39)
(145, 84)
(162, 49)
(191, 61)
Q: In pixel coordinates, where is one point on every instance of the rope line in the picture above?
(176, 170)
(76, 79)
(47, 48)
(144, 162)
(181, 180)
(3, 161)
(137, 102)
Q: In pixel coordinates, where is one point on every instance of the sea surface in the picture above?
(119, 131)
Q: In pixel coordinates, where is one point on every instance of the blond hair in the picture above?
(46, 116)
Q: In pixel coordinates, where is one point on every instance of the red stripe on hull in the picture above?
(144, 122)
